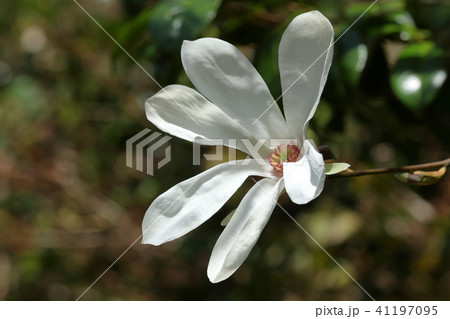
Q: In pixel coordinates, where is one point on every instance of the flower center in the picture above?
(283, 153)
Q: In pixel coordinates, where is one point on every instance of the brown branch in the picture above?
(391, 170)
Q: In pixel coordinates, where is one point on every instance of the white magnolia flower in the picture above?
(233, 96)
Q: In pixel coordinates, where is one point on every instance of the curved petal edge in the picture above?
(244, 229)
(188, 204)
(305, 179)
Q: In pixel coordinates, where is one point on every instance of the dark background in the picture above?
(70, 98)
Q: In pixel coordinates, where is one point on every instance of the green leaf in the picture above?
(132, 32)
(173, 21)
(334, 168)
(355, 10)
(419, 74)
(354, 56)
(266, 62)
(227, 219)
(400, 23)
(432, 14)
(323, 115)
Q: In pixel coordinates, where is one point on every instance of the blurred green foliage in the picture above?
(419, 74)
(171, 22)
(70, 98)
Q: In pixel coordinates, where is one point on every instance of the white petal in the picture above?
(244, 229)
(225, 76)
(190, 203)
(305, 179)
(305, 58)
(183, 112)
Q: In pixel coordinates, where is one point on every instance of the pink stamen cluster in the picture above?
(283, 153)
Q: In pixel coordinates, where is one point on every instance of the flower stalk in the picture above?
(392, 170)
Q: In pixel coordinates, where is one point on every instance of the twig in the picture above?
(390, 170)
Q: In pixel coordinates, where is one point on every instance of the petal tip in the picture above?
(216, 273)
(214, 278)
(148, 240)
(315, 12)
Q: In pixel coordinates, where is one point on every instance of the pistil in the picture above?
(282, 154)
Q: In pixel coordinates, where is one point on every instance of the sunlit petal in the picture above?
(244, 229)
(304, 180)
(183, 112)
(190, 203)
(225, 77)
(304, 57)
